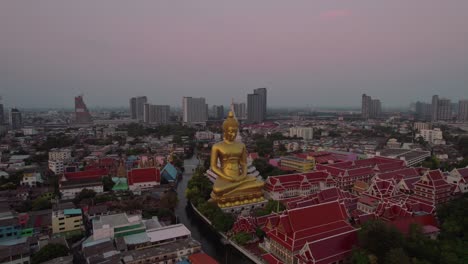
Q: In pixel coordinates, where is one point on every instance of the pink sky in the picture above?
(312, 53)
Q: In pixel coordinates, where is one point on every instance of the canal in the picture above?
(210, 240)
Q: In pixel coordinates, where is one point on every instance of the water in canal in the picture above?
(211, 243)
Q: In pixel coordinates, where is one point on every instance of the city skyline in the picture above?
(320, 53)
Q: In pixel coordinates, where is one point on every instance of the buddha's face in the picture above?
(230, 133)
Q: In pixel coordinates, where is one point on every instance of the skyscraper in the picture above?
(2, 114)
(423, 111)
(463, 110)
(441, 109)
(16, 121)
(218, 112)
(133, 107)
(257, 105)
(194, 110)
(370, 108)
(156, 114)
(82, 115)
(240, 110)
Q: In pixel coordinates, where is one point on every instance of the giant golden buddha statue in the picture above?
(233, 187)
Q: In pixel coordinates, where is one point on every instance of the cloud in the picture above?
(334, 14)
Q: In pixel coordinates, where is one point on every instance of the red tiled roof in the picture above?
(297, 226)
(201, 258)
(464, 173)
(330, 249)
(143, 175)
(403, 224)
(87, 174)
(270, 259)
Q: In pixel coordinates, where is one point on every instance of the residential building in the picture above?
(297, 164)
(2, 113)
(143, 178)
(82, 115)
(370, 108)
(312, 234)
(16, 121)
(423, 111)
(422, 125)
(393, 143)
(194, 110)
(57, 166)
(463, 110)
(137, 106)
(60, 154)
(218, 112)
(306, 133)
(433, 136)
(156, 114)
(441, 109)
(240, 110)
(257, 105)
(67, 222)
(292, 185)
(133, 108)
(31, 179)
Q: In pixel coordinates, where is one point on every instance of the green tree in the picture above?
(223, 222)
(84, 194)
(396, 256)
(377, 238)
(241, 238)
(49, 252)
(359, 256)
(107, 183)
(41, 203)
(169, 200)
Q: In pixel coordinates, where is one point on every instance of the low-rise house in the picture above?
(67, 223)
(32, 179)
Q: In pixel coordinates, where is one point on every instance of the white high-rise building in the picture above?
(194, 110)
(307, 133)
(433, 136)
(137, 107)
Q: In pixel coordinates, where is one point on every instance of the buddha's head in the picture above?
(230, 127)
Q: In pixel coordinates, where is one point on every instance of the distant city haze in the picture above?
(307, 53)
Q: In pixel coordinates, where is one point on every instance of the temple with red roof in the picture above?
(460, 178)
(73, 183)
(347, 173)
(292, 185)
(313, 234)
(143, 178)
(432, 189)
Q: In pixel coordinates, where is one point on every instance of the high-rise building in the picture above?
(137, 107)
(370, 108)
(16, 121)
(307, 133)
(218, 112)
(423, 111)
(2, 113)
(194, 110)
(240, 110)
(133, 108)
(82, 115)
(156, 114)
(441, 109)
(257, 105)
(463, 110)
